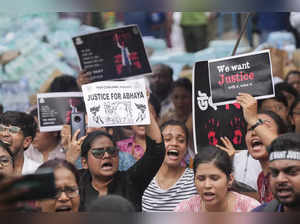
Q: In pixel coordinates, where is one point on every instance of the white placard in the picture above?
(116, 103)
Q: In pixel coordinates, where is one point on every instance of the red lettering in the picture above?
(251, 75)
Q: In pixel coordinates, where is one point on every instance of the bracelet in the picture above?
(258, 122)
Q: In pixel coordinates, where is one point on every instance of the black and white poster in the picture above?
(247, 73)
(54, 109)
(210, 121)
(113, 54)
(116, 103)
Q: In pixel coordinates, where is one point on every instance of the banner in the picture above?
(113, 54)
(247, 73)
(210, 121)
(116, 103)
(54, 109)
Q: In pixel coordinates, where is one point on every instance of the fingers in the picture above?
(75, 136)
(226, 142)
(222, 148)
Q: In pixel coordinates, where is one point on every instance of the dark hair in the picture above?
(57, 163)
(164, 69)
(86, 145)
(1, 108)
(34, 112)
(293, 72)
(155, 103)
(288, 141)
(20, 119)
(281, 126)
(219, 157)
(184, 83)
(7, 149)
(295, 103)
(284, 86)
(64, 83)
(111, 203)
(278, 97)
(176, 123)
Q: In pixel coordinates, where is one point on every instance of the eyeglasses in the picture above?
(4, 161)
(10, 129)
(296, 112)
(98, 153)
(71, 192)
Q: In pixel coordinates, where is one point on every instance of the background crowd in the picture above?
(156, 168)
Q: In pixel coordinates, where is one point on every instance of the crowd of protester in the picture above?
(155, 168)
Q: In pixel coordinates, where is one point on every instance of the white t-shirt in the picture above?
(29, 166)
(156, 199)
(246, 169)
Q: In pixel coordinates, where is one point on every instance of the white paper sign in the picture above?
(116, 103)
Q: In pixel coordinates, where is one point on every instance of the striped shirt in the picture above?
(156, 199)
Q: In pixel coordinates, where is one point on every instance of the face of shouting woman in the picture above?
(67, 198)
(175, 141)
(212, 185)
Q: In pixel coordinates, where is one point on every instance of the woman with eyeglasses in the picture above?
(100, 175)
(67, 196)
(6, 160)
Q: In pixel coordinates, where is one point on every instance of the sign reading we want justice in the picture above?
(247, 73)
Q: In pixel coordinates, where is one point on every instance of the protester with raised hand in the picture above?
(174, 182)
(213, 173)
(100, 175)
(262, 129)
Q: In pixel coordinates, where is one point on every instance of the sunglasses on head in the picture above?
(98, 153)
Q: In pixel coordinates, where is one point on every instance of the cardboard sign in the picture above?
(210, 121)
(113, 54)
(54, 109)
(116, 103)
(247, 73)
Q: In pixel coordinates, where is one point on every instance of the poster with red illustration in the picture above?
(210, 121)
(113, 53)
(248, 73)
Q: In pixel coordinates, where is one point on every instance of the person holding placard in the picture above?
(100, 175)
(174, 182)
(262, 128)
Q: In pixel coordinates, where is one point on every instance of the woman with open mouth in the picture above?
(262, 128)
(174, 182)
(100, 160)
(67, 188)
(213, 179)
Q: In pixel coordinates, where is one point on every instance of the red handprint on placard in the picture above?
(237, 124)
(212, 125)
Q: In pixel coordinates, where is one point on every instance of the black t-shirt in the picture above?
(129, 184)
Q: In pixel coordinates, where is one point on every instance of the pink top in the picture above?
(127, 145)
(243, 203)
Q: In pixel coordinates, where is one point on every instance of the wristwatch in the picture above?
(258, 122)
